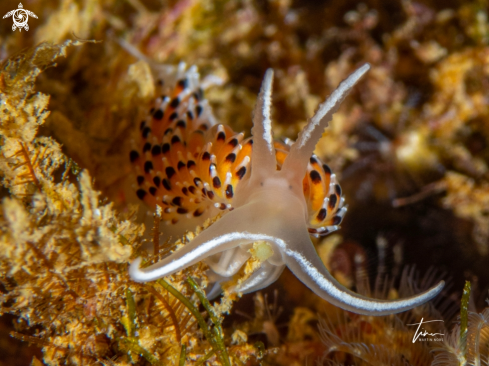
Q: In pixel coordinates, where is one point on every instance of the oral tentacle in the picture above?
(214, 292)
(304, 262)
(263, 156)
(229, 263)
(261, 278)
(225, 234)
(302, 149)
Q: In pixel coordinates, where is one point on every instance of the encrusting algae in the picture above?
(410, 148)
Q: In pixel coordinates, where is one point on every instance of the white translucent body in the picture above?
(269, 205)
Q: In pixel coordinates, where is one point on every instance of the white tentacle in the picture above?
(263, 159)
(302, 149)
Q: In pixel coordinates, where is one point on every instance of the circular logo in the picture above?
(20, 17)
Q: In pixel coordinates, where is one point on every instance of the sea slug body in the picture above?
(279, 193)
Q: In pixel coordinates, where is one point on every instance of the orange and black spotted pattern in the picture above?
(188, 163)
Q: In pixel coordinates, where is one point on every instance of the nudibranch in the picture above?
(271, 192)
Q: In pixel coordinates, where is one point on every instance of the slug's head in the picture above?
(271, 197)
